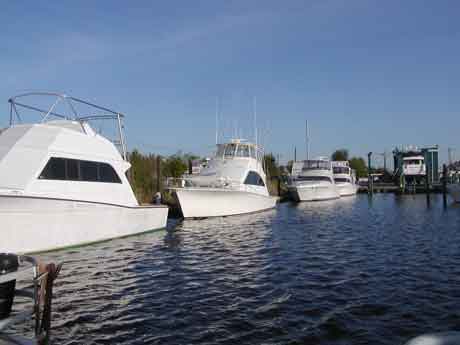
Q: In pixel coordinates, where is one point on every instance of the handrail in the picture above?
(40, 293)
(107, 114)
(224, 184)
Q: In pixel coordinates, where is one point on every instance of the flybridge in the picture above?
(54, 106)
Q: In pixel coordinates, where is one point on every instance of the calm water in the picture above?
(352, 271)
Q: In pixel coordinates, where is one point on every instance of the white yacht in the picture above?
(313, 180)
(344, 178)
(414, 168)
(62, 184)
(233, 182)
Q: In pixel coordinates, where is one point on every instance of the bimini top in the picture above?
(65, 111)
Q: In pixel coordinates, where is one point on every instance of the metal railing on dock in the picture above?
(36, 280)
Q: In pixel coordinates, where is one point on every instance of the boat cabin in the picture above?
(414, 165)
(239, 148)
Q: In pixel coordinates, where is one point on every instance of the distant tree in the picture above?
(359, 165)
(340, 155)
(289, 166)
(174, 166)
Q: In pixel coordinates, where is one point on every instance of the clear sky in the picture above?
(368, 75)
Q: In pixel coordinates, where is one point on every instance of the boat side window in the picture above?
(75, 170)
(72, 170)
(243, 151)
(254, 178)
(54, 169)
(230, 150)
(88, 171)
(107, 174)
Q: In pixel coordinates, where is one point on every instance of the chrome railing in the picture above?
(72, 104)
(220, 183)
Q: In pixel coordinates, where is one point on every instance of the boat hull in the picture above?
(314, 193)
(40, 224)
(346, 189)
(454, 191)
(203, 203)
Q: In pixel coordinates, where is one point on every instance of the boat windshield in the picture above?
(239, 150)
(243, 151)
(413, 162)
(230, 150)
(319, 164)
(341, 170)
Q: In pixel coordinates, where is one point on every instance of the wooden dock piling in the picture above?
(444, 184)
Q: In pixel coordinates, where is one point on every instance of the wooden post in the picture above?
(444, 184)
(370, 182)
(427, 189)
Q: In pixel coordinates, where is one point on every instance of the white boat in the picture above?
(233, 182)
(62, 184)
(313, 180)
(344, 178)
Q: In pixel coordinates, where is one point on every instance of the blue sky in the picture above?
(368, 75)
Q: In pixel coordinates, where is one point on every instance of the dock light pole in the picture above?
(370, 182)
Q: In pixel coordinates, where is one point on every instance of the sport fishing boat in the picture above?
(233, 182)
(313, 180)
(64, 184)
(344, 178)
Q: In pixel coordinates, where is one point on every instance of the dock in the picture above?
(409, 189)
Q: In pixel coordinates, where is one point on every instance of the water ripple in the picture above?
(356, 270)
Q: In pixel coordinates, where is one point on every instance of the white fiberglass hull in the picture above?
(454, 191)
(314, 192)
(346, 189)
(201, 202)
(40, 224)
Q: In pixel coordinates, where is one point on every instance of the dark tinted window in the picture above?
(76, 170)
(341, 180)
(73, 169)
(253, 178)
(88, 171)
(107, 174)
(54, 170)
(341, 170)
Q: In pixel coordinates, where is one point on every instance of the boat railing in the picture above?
(219, 183)
(65, 107)
(37, 281)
